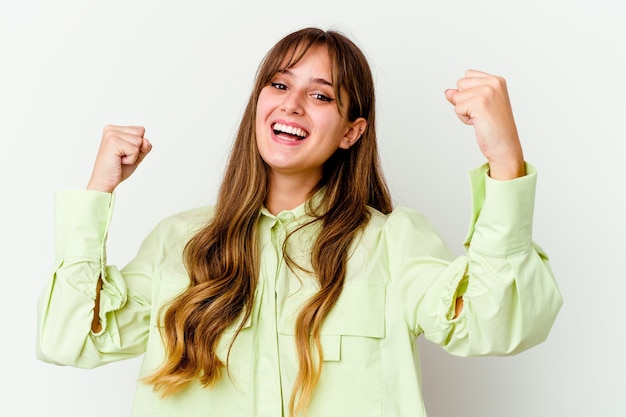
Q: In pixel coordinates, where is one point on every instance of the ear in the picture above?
(353, 133)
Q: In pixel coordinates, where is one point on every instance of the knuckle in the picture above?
(498, 82)
(109, 132)
(138, 130)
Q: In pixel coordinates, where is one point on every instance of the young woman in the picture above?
(301, 292)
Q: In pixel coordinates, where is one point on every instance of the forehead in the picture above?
(315, 57)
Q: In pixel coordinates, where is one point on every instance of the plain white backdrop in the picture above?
(184, 70)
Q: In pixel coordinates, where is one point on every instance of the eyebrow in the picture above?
(321, 81)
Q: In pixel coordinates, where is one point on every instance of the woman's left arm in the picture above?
(482, 100)
(500, 297)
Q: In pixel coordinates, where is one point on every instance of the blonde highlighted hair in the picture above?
(222, 259)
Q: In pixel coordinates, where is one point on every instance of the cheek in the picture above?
(264, 103)
(260, 117)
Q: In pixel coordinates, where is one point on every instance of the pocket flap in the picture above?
(359, 311)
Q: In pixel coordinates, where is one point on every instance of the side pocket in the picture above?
(229, 396)
(162, 293)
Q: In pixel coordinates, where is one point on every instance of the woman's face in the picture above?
(298, 124)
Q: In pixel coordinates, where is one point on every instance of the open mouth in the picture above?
(290, 133)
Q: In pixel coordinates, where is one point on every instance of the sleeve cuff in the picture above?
(81, 222)
(502, 214)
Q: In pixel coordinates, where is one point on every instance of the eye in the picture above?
(321, 97)
(278, 86)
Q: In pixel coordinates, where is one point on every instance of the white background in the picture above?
(184, 70)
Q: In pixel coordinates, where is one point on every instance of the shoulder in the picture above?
(185, 223)
(406, 232)
(400, 219)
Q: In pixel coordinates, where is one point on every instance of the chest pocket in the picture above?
(357, 320)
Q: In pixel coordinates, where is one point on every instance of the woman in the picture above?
(301, 292)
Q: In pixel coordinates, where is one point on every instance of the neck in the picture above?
(288, 192)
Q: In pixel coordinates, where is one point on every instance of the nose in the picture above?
(293, 103)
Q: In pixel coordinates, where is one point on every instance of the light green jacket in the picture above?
(402, 281)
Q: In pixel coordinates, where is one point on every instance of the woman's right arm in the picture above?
(83, 292)
(122, 148)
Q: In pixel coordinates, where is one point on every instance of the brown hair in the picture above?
(222, 259)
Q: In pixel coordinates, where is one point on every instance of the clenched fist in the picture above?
(482, 100)
(121, 150)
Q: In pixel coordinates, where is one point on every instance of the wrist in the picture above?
(507, 169)
(94, 185)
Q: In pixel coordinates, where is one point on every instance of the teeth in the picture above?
(295, 131)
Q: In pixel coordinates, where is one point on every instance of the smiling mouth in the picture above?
(290, 133)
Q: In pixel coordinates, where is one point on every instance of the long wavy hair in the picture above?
(222, 259)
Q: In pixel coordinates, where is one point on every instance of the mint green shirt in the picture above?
(402, 281)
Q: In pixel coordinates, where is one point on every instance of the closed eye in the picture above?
(278, 86)
(322, 97)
